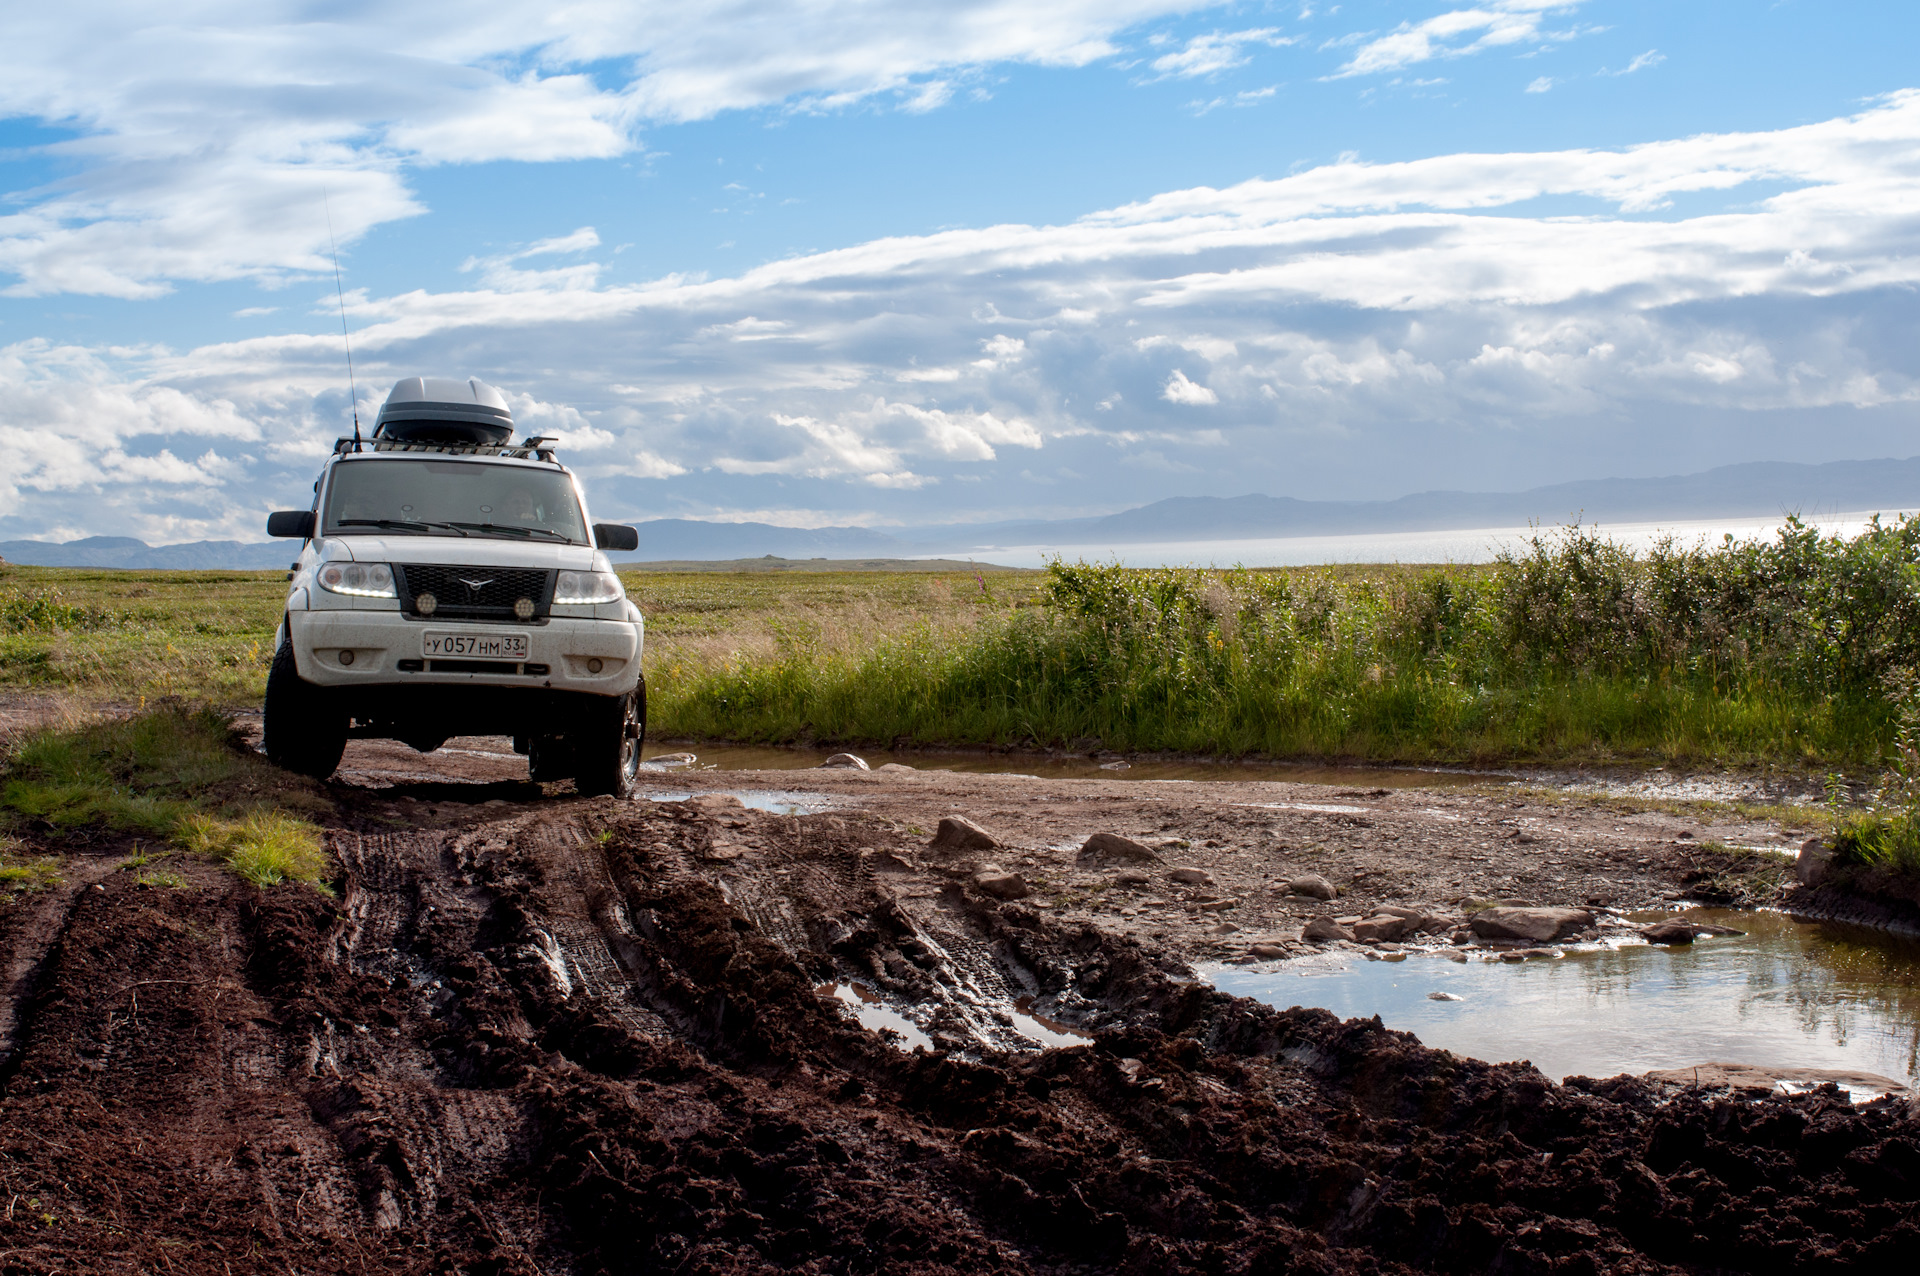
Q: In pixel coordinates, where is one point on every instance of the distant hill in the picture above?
(126, 552)
(1759, 489)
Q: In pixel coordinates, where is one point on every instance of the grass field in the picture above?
(120, 636)
(1799, 652)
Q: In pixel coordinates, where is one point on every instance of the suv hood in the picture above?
(470, 551)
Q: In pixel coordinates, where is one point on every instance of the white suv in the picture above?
(450, 583)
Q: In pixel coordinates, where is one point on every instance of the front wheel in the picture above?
(301, 729)
(607, 745)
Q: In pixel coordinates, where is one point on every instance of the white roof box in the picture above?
(438, 410)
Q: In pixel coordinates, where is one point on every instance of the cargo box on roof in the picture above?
(439, 410)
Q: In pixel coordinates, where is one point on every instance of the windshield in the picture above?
(453, 498)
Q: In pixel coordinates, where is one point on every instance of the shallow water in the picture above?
(723, 757)
(1788, 993)
(779, 801)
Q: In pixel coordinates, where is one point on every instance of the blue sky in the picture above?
(875, 263)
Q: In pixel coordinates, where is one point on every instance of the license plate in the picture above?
(441, 645)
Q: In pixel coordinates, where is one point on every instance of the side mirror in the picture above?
(616, 536)
(290, 523)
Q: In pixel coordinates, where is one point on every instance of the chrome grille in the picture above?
(475, 593)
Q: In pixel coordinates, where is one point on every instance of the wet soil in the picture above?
(540, 1033)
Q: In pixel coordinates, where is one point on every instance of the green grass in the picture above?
(1575, 650)
(22, 872)
(175, 773)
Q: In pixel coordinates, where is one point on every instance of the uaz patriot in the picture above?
(450, 583)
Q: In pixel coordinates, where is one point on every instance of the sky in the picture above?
(952, 261)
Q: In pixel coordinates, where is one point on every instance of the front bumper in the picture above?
(369, 650)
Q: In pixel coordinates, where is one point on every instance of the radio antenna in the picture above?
(339, 291)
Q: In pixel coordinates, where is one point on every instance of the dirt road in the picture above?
(538, 1033)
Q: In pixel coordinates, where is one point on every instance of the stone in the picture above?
(1355, 919)
(844, 761)
(1111, 846)
(1380, 928)
(1322, 929)
(1313, 886)
(1131, 877)
(1444, 996)
(1414, 915)
(1215, 905)
(997, 882)
(1191, 877)
(1266, 952)
(894, 766)
(672, 760)
(886, 862)
(1514, 955)
(958, 833)
(1815, 862)
(716, 802)
(1224, 928)
(1668, 933)
(1541, 925)
(1759, 1079)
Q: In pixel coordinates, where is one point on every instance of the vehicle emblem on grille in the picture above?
(475, 585)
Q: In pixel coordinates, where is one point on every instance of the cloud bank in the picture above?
(1401, 312)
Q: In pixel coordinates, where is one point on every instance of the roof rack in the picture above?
(534, 449)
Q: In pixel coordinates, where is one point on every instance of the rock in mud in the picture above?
(1668, 933)
(1111, 846)
(1540, 925)
(844, 761)
(672, 760)
(1266, 952)
(1313, 886)
(958, 833)
(1382, 927)
(1758, 1079)
(1001, 884)
(886, 862)
(1322, 929)
(1131, 877)
(716, 802)
(1191, 877)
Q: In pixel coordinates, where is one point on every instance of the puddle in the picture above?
(1044, 1030)
(875, 1015)
(1787, 994)
(779, 801)
(723, 757)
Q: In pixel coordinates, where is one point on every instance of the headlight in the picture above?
(587, 587)
(362, 580)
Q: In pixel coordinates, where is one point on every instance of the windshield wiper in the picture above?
(522, 531)
(410, 523)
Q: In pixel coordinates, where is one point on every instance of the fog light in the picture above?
(426, 604)
(346, 657)
(593, 666)
(523, 608)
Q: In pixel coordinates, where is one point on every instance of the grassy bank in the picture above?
(1787, 652)
(172, 774)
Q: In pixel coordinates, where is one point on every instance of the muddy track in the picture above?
(568, 1035)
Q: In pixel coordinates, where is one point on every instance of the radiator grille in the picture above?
(475, 593)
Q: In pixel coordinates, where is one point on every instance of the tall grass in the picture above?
(1572, 648)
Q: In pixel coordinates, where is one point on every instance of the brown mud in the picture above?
(540, 1033)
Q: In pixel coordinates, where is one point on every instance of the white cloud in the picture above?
(1652, 57)
(1180, 390)
(1396, 308)
(206, 138)
(1459, 33)
(1206, 55)
(1540, 84)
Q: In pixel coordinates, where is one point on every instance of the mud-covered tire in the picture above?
(301, 730)
(607, 746)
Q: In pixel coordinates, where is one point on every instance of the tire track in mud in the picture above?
(584, 1036)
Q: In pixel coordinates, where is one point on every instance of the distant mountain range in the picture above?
(1759, 489)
